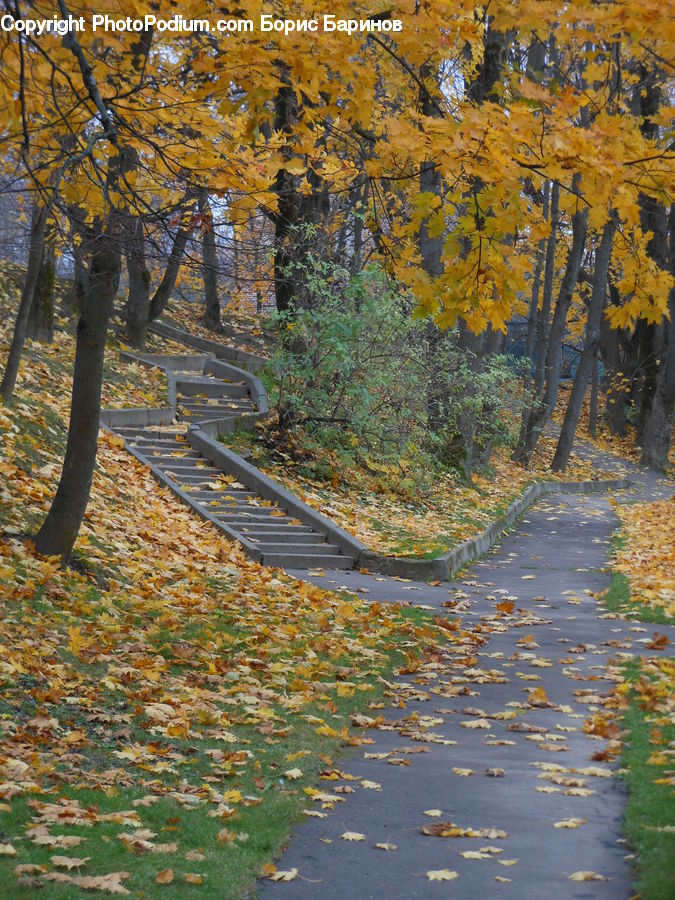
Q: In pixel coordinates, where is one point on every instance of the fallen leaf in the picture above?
(569, 823)
(68, 862)
(587, 876)
(164, 877)
(278, 875)
(352, 836)
(441, 875)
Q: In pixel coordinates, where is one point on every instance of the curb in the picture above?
(442, 567)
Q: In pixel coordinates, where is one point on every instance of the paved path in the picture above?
(550, 565)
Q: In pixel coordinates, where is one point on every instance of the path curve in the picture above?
(551, 565)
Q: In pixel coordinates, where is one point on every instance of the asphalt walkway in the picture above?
(489, 739)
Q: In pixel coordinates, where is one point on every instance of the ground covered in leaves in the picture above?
(647, 555)
(165, 701)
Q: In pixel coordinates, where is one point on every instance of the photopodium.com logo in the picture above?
(176, 24)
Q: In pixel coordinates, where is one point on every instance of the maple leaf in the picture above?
(278, 875)
(441, 875)
(570, 823)
(69, 862)
(164, 877)
(352, 836)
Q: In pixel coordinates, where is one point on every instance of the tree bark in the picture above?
(614, 377)
(211, 316)
(59, 531)
(41, 318)
(596, 306)
(297, 239)
(37, 239)
(658, 428)
(533, 320)
(543, 411)
(163, 293)
(138, 301)
(593, 408)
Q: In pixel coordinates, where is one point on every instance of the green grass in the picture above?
(617, 598)
(650, 810)
(227, 869)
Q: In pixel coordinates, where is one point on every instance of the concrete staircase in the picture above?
(210, 392)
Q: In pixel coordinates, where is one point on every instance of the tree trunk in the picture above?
(545, 407)
(614, 377)
(80, 248)
(138, 302)
(659, 423)
(533, 320)
(596, 306)
(211, 316)
(37, 239)
(593, 408)
(41, 318)
(59, 531)
(166, 286)
(296, 235)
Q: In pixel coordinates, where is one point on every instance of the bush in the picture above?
(355, 371)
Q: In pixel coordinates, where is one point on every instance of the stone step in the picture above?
(195, 475)
(147, 433)
(223, 404)
(199, 415)
(220, 498)
(273, 530)
(152, 452)
(308, 560)
(161, 457)
(306, 549)
(210, 388)
(243, 512)
(205, 496)
(294, 545)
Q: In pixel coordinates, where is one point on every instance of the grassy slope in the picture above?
(167, 683)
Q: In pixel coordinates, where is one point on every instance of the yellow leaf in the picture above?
(441, 875)
(164, 877)
(278, 875)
